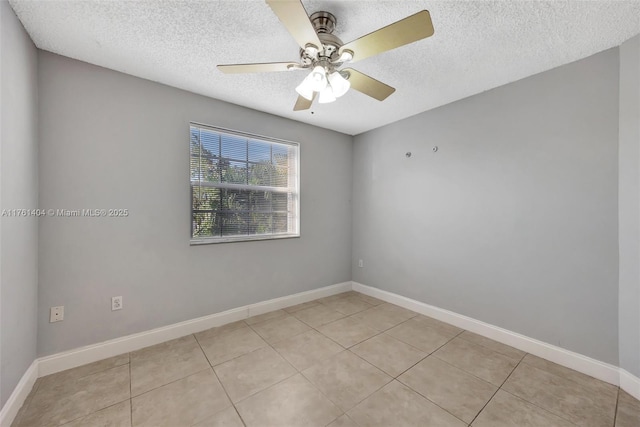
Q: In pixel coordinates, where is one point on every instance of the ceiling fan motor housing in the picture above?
(324, 23)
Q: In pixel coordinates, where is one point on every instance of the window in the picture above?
(243, 187)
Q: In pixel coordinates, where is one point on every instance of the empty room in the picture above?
(284, 213)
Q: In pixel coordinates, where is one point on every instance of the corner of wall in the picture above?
(629, 208)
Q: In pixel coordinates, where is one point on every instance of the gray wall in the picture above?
(514, 220)
(109, 140)
(18, 189)
(629, 206)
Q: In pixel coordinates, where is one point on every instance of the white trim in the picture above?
(595, 368)
(295, 299)
(19, 395)
(92, 353)
(247, 238)
(630, 383)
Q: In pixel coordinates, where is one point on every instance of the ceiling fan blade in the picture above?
(368, 85)
(303, 103)
(293, 16)
(259, 68)
(405, 31)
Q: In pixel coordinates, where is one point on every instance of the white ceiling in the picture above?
(477, 45)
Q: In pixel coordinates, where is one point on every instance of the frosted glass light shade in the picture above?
(326, 95)
(316, 81)
(339, 84)
(318, 78)
(304, 90)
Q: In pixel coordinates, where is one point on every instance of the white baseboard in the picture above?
(92, 353)
(20, 393)
(595, 368)
(295, 299)
(630, 383)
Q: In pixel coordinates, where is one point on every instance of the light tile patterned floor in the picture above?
(345, 360)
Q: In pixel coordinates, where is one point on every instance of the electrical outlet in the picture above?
(360, 263)
(116, 303)
(56, 314)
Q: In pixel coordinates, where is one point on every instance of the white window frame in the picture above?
(294, 178)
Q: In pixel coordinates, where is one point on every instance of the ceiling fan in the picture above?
(324, 53)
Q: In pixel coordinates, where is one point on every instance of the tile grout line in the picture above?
(540, 407)
(238, 413)
(235, 357)
(91, 413)
(471, 373)
(81, 416)
(492, 349)
(563, 377)
(375, 330)
(379, 369)
(615, 414)
(220, 382)
(497, 390)
(456, 335)
(575, 385)
(433, 403)
(325, 396)
(316, 328)
(106, 368)
(130, 393)
(425, 397)
(172, 381)
(331, 400)
(401, 373)
(279, 318)
(266, 388)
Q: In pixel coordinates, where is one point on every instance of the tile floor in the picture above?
(345, 360)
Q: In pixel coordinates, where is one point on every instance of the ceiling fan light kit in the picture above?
(329, 86)
(324, 54)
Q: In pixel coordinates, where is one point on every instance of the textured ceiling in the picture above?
(477, 45)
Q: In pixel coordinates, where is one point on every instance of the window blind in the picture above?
(243, 187)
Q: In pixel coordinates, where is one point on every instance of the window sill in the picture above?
(234, 239)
